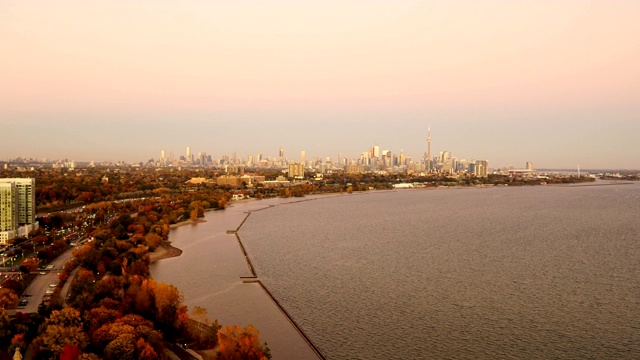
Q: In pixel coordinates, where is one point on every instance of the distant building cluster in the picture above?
(374, 159)
(17, 208)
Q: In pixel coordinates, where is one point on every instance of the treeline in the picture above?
(59, 189)
(114, 310)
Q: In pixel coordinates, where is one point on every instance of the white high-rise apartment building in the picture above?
(17, 207)
(8, 207)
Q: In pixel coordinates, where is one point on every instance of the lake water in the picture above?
(513, 273)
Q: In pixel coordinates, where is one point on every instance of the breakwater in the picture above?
(254, 279)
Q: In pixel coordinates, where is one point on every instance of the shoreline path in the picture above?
(225, 284)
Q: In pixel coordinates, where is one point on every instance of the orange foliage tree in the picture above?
(8, 298)
(31, 264)
(237, 343)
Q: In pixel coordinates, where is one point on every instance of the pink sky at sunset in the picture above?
(568, 68)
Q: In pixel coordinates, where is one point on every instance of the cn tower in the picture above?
(429, 148)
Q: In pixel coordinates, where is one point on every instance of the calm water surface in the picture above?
(515, 273)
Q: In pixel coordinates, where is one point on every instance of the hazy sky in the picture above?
(552, 82)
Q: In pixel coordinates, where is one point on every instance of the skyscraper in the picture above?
(428, 161)
(402, 159)
(429, 143)
(481, 168)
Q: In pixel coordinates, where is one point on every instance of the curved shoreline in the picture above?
(164, 251)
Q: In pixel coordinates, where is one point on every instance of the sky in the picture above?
(556, 83)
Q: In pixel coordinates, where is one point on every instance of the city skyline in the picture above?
(555, 84)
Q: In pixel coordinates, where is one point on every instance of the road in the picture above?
(40, 284)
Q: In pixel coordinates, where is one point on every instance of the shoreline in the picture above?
(186, 222)
(164, 251)
(280, 322)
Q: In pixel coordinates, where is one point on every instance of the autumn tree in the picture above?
(203, 330)
(63, 327)
(110, 287)
(14, 285)
(129, 337)
(99, 316)
(239, 344)
(5, 325)
(31, 264)
(171, 314)
(8, 298)
(70, 352)
(82, 289)
(153, 240)
(121, 348)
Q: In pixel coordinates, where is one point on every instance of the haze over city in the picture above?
(554, 83)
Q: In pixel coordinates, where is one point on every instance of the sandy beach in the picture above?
(164, 251)
(187, 222)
